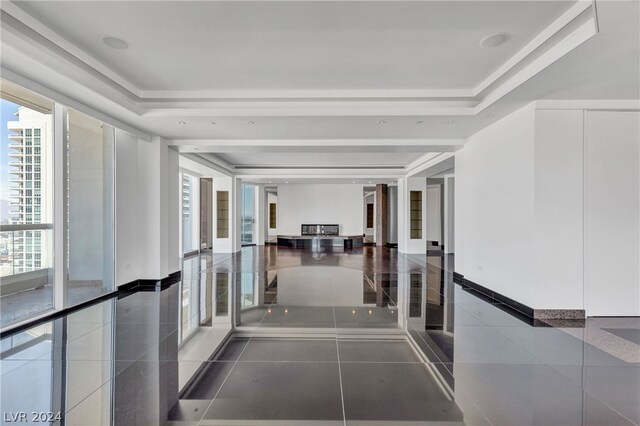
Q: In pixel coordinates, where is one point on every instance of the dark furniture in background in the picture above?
(317, 229)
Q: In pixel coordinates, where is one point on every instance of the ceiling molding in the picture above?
(60, 98)
(591, 104)
(205, 161)
(32, 38)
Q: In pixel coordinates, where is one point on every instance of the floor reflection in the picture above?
(278, 336)
(317, 297)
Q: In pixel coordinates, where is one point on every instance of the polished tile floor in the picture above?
(275, 337)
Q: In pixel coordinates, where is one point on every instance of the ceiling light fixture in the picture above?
(286, 181)
(448, 122)
(494, 40)
(381, 121)
(251, 123)
(182, 123)
(115, 43)
(420, 122)
(213, 123)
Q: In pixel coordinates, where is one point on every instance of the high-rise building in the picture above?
(30, 154)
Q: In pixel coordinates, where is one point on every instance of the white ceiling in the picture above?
(322, 83)
(210, 45)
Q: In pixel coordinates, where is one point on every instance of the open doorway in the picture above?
(272, 214)
(248, 218)
(206, 213)
(435, 216)
(369, 215)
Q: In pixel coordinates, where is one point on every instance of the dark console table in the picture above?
(317, 242)
(320, 236)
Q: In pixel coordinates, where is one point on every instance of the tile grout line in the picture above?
(223, 382)
(232, 368)
(335, 324)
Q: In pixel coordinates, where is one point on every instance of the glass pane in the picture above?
(90, 152)
(26, 205)
(247, 290)
(190, 221)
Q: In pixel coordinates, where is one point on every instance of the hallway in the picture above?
(279, 336)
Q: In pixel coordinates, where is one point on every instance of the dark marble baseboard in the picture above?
(123, 290)
(536, 317)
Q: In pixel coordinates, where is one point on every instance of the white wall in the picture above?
(558, 209)
(449, 214)
(548, 209)
(147, 214)
(494, 207)
(320, 203)
(434, 221)
(612, 213)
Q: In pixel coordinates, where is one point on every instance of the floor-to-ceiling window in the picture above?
(90, 202)
(189, 210)
(248, 214)
(26, 205)
(53, 159)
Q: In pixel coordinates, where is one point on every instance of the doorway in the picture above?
(206, 213)
(248, 215)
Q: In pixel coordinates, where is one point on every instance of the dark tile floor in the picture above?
(279, 337)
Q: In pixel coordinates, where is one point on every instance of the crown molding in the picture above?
(29, 37)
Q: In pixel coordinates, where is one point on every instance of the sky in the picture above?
(7, 111)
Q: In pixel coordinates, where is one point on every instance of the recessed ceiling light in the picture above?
(353, 181)
(448, 122)
(370, 182)
(381, 121)
(286, 181)
(250, 123)
(270, 182)
(115, 43)
(419, 122)
(182, 123)
(494, 40)
(196, 148)
(213, 123)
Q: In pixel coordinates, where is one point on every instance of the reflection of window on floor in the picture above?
(248, 291)
(189, 309)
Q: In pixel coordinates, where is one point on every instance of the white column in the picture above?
(261, 224)
(60, 206)
(449, 210)
(235, 213)
(403, 215)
